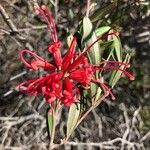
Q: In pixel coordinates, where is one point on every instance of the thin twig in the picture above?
(105, 143)
(146, 136)
(7, 19)
(18, 75)
(88, 8)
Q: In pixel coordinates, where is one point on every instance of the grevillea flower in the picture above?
(66, 74)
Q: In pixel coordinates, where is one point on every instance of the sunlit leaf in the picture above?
(118, 47)
(50, 122)
(87, 28)
(94, 54)
(102, 30)
(73, 117)
(117, 53)
(116, 75)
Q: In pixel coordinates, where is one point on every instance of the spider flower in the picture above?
(67, 73)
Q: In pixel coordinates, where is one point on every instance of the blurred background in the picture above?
(122, 124)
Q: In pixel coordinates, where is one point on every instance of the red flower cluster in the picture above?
(70, 72)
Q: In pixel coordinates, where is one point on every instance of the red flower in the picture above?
(69, 72)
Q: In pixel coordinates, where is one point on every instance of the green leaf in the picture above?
(95, 91)
(116, 75)
(87, 28)
(117, 53)
(118, 47)
(94, 57)
(102, 30)
(73, 117)
(89, 36)
(50, 122)
(101, 13)
(94, 54)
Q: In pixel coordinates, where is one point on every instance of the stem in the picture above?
(56, 10)
(53, 132)
(88, 8)
(91, 108)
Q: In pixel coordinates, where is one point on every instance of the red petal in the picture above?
(46, 14)
(55, 50)
(30, 86)
(69, 55)
(83, 75)
(34, 64)
(70, 94)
